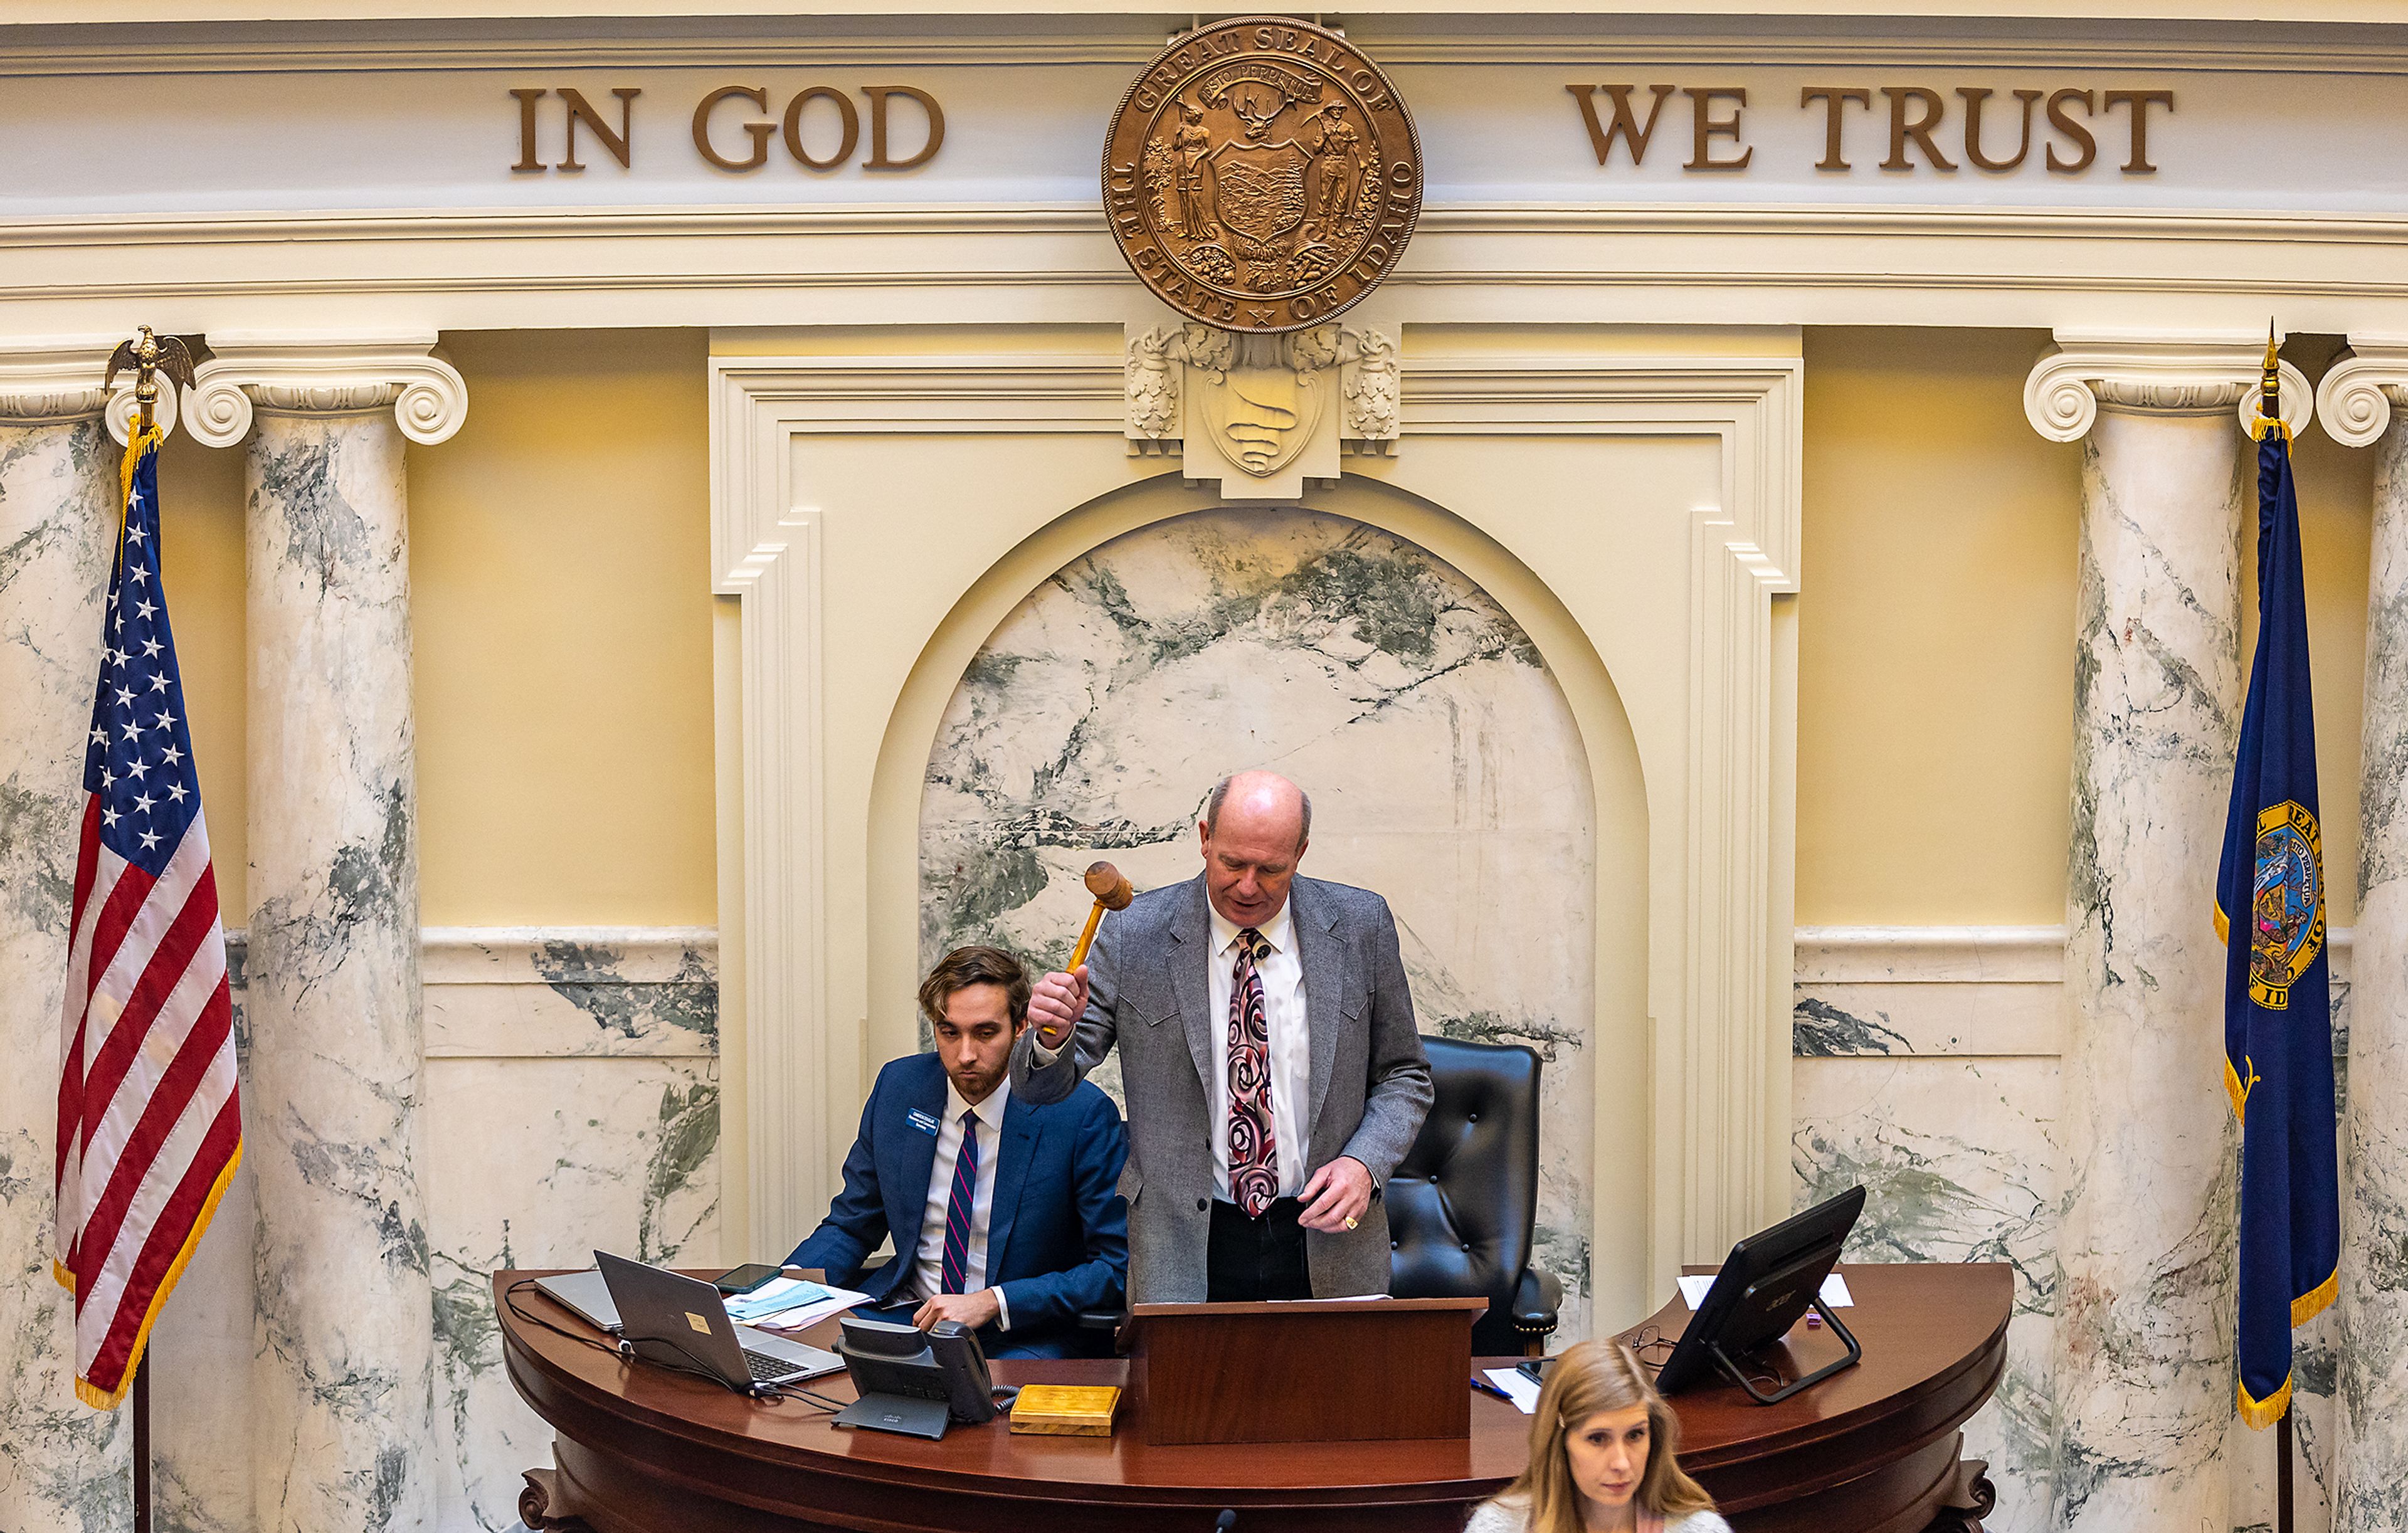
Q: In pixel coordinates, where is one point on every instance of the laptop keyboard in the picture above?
(766, 1367)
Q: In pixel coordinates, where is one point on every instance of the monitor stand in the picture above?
(1739, 1376)
(897, 1413)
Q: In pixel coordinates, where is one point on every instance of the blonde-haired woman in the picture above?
(1602, 1456)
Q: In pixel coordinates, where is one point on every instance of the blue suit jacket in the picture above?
(1058, 1236)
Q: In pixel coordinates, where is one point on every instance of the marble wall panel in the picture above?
(201, 1377)
(63, 1467)
(1444, 766)
(539, 1163)
(1927, 1070)
(597, 992)
(2373, 1313)
(573, 1103)
(1960, 1163)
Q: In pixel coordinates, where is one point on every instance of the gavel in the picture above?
(1113, 893)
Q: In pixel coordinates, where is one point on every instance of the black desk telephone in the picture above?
(912, 1380)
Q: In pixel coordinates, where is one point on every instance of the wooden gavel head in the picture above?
(1110, 889)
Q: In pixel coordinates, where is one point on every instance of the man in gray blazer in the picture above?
(1269, 1054)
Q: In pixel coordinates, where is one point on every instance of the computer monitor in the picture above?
(1766, 1285)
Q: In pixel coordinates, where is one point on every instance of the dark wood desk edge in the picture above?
(1862, 1464)
(544, 1381)
(1307, 1307)
(1822, 1429)
(533, 1376)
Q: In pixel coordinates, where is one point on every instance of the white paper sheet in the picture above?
(1835, 1291)
(789, 1304)
(1513, 1382)
(837, 1301)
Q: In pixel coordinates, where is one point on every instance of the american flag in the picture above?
(150, 1128)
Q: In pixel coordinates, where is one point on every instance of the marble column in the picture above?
(343, 1380)
(2370, 1494)
(2144, 1352)
(63, 1465)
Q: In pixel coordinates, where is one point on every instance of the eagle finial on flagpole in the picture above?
(150, 355)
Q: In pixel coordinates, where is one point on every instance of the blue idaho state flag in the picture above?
(2270, 911)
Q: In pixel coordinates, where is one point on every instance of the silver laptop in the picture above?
(681, 1322)
(583, 1294)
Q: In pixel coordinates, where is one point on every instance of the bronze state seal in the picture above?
(1262, 174)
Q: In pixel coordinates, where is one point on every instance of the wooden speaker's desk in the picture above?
(1873, 1450)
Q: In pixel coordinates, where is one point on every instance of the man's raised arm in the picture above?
(1070, 1027)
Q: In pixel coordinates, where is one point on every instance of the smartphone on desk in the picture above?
(744, 1280)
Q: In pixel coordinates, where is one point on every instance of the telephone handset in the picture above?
(969, 1392)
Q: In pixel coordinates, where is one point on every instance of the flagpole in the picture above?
(149, 355)
(2270, 409)
(2283, 1473)
(143, 1452)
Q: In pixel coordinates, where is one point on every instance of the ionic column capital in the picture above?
(50, 379)
(2194, 374)
(325, 374)
(2357, 395)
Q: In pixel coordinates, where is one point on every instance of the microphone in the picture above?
(1227, 1520)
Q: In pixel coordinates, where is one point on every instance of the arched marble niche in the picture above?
(1445, 768)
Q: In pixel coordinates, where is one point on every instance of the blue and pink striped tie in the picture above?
(960, 1206)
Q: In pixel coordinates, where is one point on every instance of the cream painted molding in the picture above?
(1727, 1061)
(803, 1084)
(1720, 977)
(2135, 370)
(519, 954)
(1960, 954)
(341, 34)
(315, 372)
(2356, 399)
(516, 955)
(685, 266)
(49, 379)
(1752, 405)
(766, 552)
(1930, 955)
(1112, 39)
(2270, 228)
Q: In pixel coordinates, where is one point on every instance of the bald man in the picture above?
(1273, 1074)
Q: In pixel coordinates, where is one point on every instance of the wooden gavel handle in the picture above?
(1079, 954)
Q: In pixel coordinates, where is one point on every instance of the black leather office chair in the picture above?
(1462, 1206)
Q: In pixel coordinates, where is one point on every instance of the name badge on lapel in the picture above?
(926, 1122)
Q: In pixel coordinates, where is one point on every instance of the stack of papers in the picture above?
(1518, 1386)
(790, 1304)
(1835, 1291)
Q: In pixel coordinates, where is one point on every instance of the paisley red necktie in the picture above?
(1253, 1142)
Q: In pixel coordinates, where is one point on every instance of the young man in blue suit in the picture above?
(1006, 1216)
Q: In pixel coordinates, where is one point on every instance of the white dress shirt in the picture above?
(928, 1263)
(1291, 1070)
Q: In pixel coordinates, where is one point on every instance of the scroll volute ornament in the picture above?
(1262, 174)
